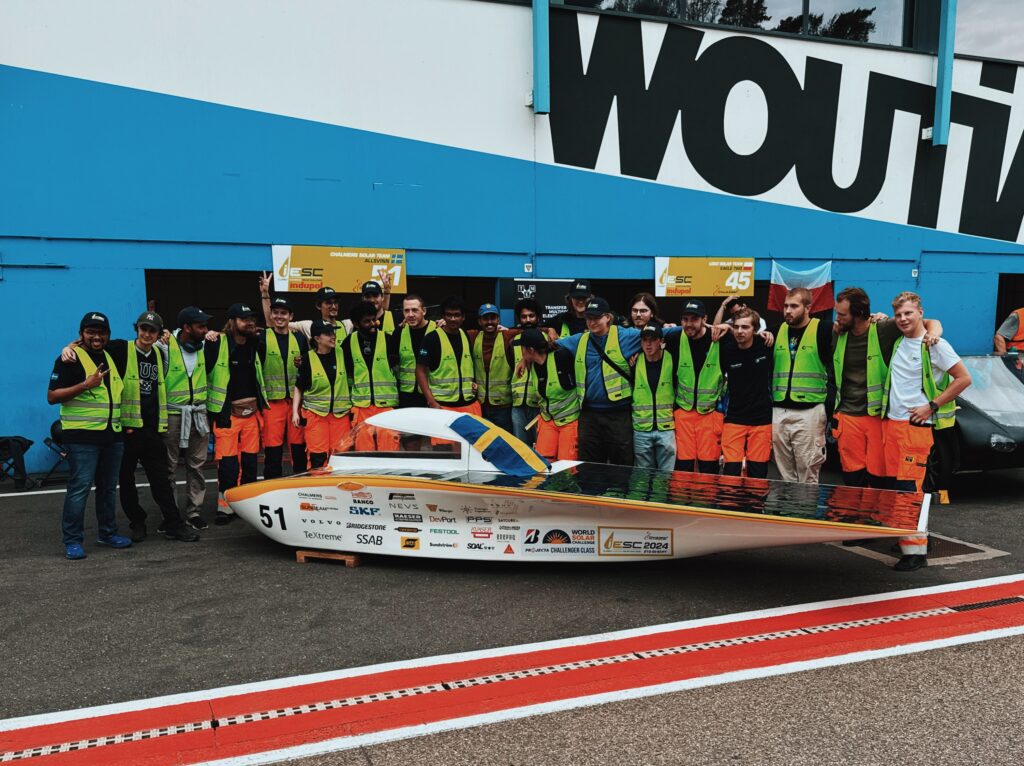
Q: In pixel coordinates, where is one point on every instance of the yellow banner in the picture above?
(703, 277)
(306, 268)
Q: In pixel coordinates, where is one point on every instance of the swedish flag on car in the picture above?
(498, 447)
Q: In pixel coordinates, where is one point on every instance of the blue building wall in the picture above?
(99, 183)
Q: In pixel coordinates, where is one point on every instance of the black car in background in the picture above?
(990, 418)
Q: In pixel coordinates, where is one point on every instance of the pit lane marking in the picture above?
(255, 716)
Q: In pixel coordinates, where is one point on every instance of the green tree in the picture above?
(744, 13)
(703, 10)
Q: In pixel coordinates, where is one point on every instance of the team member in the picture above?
(860, 354)
(919, 395)
(88, 391)
(1010, 335)
(492, 368)
(187, 424)
(803, 389)
(747, 431)
(654, 439)
(444, 369)
(371, 357)
(728, 308)
(144, 423)
(525, 395)
(603, 378)
(280, 354)
(700, 384)
(322, 393)
(410, 339)
(235, 401)
(573, 320)
(553, 367)
(327, 302)
(378, 294)
(643, 311)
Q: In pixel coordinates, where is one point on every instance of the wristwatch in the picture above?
(934, 406)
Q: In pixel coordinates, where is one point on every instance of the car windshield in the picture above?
(995, 388)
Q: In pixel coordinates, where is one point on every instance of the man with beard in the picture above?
(371, 357)
(378, 295)
(280, 354)
(573, 320)
(235, 401)
(444, 369)
(327, 302)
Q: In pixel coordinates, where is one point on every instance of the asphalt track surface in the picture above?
(166, 617)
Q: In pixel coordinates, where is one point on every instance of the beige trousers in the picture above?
(798, 442)
(195, 459)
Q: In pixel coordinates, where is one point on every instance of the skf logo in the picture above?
(410, 543)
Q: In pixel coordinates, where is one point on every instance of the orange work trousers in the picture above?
(859, 438)
(326, 433)
(243, 435)
(698, 437)
(277, 422)
(368, 438)
(906, 450)
(557, 442)
(751, 442)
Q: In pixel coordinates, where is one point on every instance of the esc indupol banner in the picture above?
(703, 277)
(307, 268)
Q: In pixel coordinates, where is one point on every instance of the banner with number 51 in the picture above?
(307, 268)
(703, 277)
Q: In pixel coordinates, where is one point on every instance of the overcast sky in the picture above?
(991, 28)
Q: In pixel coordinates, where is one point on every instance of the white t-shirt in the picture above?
(187, 357)
(905, 391)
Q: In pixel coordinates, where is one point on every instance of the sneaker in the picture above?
(910, 562)
(183, 534)
(161, 527)
(114, 541)
(74, 552)
(138, 531)
(224, 518)
(196, 522)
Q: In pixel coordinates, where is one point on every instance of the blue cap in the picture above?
(487, 308)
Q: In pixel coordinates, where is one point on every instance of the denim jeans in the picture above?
(655, 449)
(500, 416)
(99, 463)
(520, 417)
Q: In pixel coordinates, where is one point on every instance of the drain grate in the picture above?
(945, 551)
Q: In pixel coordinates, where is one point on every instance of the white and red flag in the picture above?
(818, 281)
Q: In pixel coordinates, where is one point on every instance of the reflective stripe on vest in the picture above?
(652, 408)
(183, 389)
(561, 405)
(495, 381)
(131, 396)
(323, 398)
(616, 386)
(388, 325)
(704, 389)
(877, 370)
(524, 386)
(276, 379)
(221, 376)
(407, 359)
(95, 408)
(375, 384)
(1017, 342)
(946, 416)
(807, 381)
(452, 376)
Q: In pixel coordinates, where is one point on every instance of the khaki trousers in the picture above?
(195, 459)
(798, 442)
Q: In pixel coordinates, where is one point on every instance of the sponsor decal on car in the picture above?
(362, 496)
(316, 507)
(328, 522)
(506, 537)
(556, 541)
(408, 518)
(410, 544)
(405, 496)
(321, 536)
(509, 550)
(443, 545)
(370, 539)
(442, 519)
(481, 533)
(307, 495)
(479, 547)
(408, 530)
(480, 519)
(373, 527)
(351, 486)
(361, 510)
(444, 531)
(631, 541)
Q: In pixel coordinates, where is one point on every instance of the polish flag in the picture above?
(818, 281)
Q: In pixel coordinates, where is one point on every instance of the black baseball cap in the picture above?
(150, 319)
(240, 311)
(371, 288)
(652, 330)
(94, 319)
(281, 302)
(192, 315)
(531, 337)
(580, 288)
(326, 294)
(597, 307)
(320, 327)
(695, 306)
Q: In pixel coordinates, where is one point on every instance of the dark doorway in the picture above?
(1010, 297)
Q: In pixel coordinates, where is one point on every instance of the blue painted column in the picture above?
(944, 73)
(541, 58)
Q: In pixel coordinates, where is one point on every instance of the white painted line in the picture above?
(544, 708)
(983, 554)
(91, 489)
(282, 683)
